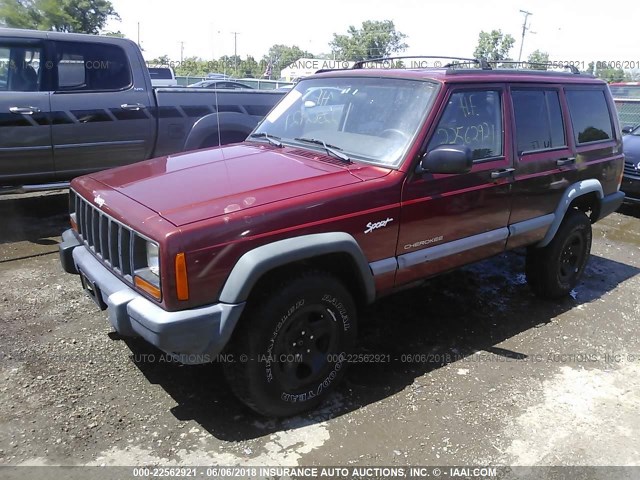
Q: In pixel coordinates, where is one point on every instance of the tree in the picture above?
(607, 74)
(80, 16)
(538, 57)
(494, 46)
(191, 66)
(250, 68)
(375, 39)
(280, 56)
(632, 75)
(117, 34)
(162, 61)
(18, 14)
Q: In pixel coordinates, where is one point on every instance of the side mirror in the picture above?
(448, 159)
(627, 129)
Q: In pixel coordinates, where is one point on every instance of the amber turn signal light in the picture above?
(142, 284)
(182, 282)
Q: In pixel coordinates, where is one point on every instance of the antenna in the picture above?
(524, 31)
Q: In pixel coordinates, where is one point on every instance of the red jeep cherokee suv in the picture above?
(358, 182)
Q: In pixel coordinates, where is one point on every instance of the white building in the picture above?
(304, 67)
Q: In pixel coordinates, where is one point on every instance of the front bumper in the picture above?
(631, 187)
(190, 336)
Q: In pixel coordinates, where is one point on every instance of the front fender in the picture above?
(257, 262)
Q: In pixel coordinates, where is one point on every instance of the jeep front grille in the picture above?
(115, 244)
(630, 170)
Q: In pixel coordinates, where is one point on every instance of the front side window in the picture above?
(539, 124)
(20, 68)
(589, 115)
(374, 120)
(91, 66)
(472, 119)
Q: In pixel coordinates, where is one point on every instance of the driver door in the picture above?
(450, 220)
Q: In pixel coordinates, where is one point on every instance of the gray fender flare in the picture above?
(206, 126)
(571, 193)
(255, 263)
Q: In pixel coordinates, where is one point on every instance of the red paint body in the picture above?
(217, 204)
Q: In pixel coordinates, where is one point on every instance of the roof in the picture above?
(59, 36)
(470, 75)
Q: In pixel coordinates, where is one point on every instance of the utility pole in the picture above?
(235, 51)
(181, 53)
(138, 34)
(524, 31)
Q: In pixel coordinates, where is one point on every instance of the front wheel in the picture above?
(553, 271)
(290, 348)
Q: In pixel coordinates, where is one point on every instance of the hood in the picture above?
(194, 186)
(631, 149)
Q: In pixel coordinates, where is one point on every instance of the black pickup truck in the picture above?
(72, 104)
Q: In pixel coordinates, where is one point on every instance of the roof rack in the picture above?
(457, 63)
(481, 62)
(573, 68)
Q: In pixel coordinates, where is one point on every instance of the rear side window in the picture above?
(589, 115)
(91, 66)
(473, 119)
(20, 68)
(539, 124)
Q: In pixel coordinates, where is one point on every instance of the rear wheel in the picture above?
(553, 271)
(290, 349)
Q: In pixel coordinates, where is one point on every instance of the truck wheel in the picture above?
(553, 271)
(290, 348)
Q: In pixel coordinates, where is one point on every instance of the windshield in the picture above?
(368, 119)
(160, 73)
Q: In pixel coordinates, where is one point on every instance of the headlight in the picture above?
(153, 258)
(146, 260)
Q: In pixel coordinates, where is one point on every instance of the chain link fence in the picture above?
(628, 111)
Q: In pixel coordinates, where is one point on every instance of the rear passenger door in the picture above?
(545, 160)
(25, 135)
(100, 116)
(450, 220)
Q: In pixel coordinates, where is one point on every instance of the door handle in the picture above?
(565, 161)
(505, 172)
(132, 106)
(24, 110)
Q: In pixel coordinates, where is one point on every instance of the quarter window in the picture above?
(472, 119)
(539, 124)
(589, 115)
(91, 66)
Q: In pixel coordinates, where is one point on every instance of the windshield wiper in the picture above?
(330, 149)
(273, 140)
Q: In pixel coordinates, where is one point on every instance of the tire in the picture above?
(290, 347)
(553, 271)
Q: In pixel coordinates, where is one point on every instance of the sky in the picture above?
(568, 31)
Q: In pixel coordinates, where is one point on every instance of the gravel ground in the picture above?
(494, 377)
